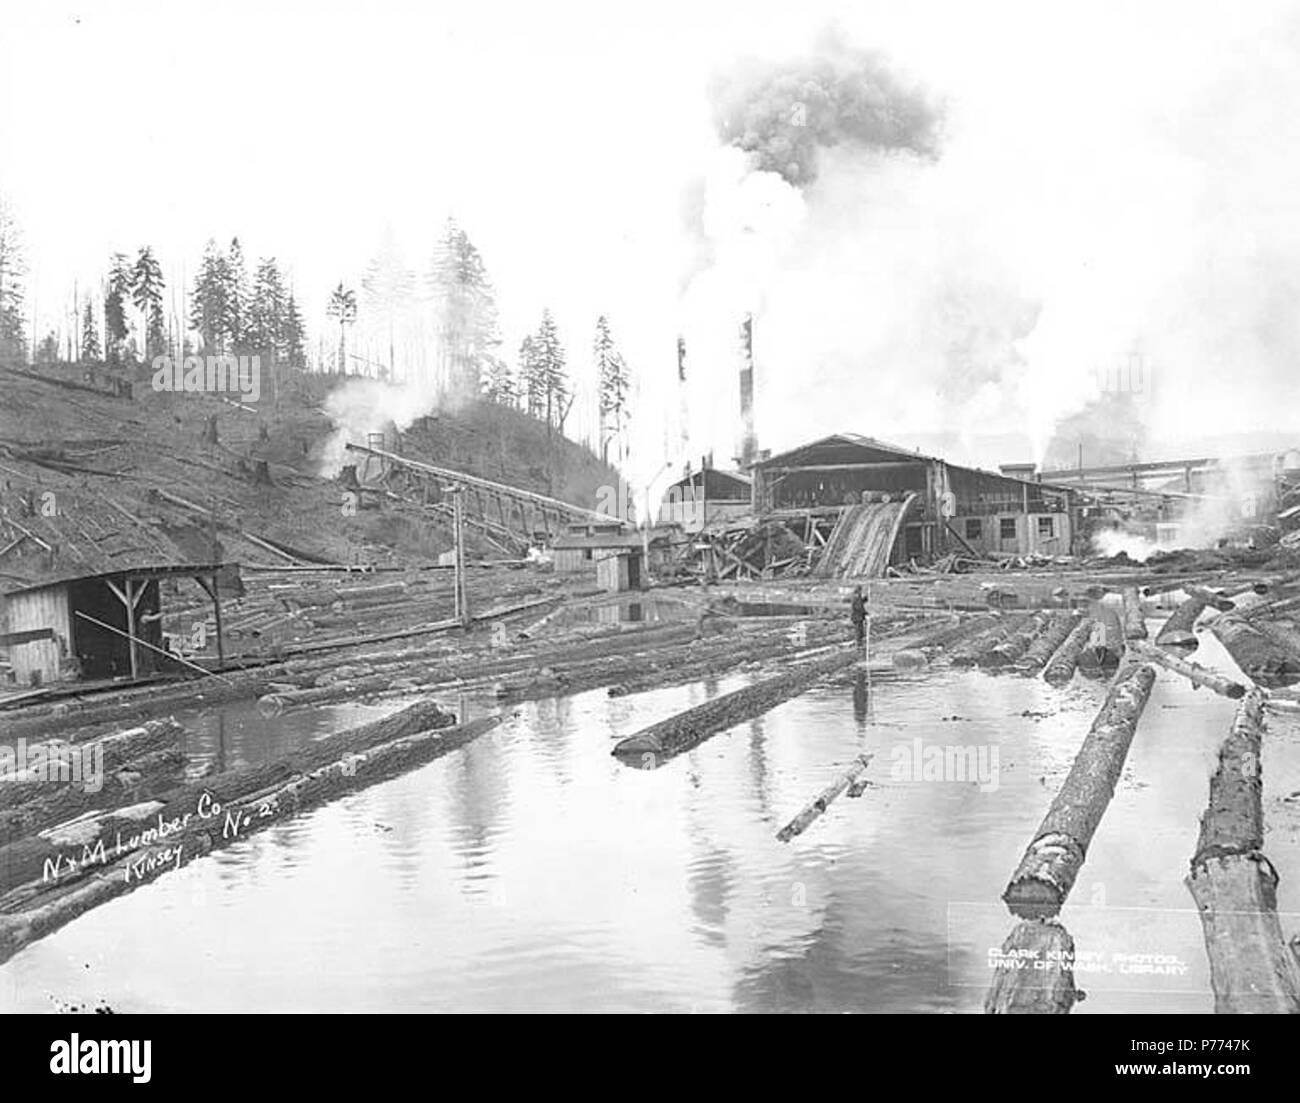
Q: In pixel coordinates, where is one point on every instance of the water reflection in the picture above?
(531, 871)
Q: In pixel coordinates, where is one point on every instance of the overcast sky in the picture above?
(1099, 163)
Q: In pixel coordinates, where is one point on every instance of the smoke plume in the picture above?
(786, 115)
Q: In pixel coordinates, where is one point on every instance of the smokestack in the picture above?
(748, 441)
(684, 424)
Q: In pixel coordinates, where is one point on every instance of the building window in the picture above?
(586, 553)
(1008, 528)
(974, 530)
(1045, 528)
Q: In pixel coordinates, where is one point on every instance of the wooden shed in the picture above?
(101, 626)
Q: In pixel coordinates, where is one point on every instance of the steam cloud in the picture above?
(967, 273)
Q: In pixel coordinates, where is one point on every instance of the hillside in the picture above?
(91, 481)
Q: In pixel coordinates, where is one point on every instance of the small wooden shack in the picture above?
(101, 626)
(614, 557)
(709, 498)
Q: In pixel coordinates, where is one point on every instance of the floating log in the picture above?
(273, 704)
(1135, 622)
(1052, 861)
(1271, 608)
(950, 634)
(1281, 632)
(1047, 643)
(1260, 657)
(111, 750)
(969, 652)
(1193, 672)
(1105, 646)
(44, 908)
(155, 760)
(815, 807)
(1060, 667)
(1177, 631)
(1252, 969)
(655, 745)
(1211, 598)
(1023, 987)
(25, 859)
(1011, 650)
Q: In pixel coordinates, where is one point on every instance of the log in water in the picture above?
(1252, 969)
(26, 859)
(1195, 673)
(1011, 650)
(1261, 658)
(1177, 631)
(969, 652)
(1052, 861)
(37, 910)
(1060, 667)
(1105, 646)
(1047, 643)
(815, 807)
(1135, 623)
(1034, 974)
(653, 746)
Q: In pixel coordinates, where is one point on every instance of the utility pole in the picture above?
(458, 514)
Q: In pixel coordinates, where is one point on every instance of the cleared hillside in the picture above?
(92, 482)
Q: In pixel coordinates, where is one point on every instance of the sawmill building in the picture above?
(913, 506)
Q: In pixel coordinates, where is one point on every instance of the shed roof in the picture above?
(135, 571)
(843, 448)
(610, 540)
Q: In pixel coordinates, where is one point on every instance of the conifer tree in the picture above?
(464, 312)
(13, 341)
(613, 385)
(147, 294)
(115, 299)
(90, 349)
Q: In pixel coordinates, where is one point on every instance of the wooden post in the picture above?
(215, 594)
(462, 599)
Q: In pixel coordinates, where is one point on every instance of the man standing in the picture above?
(858, 612)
